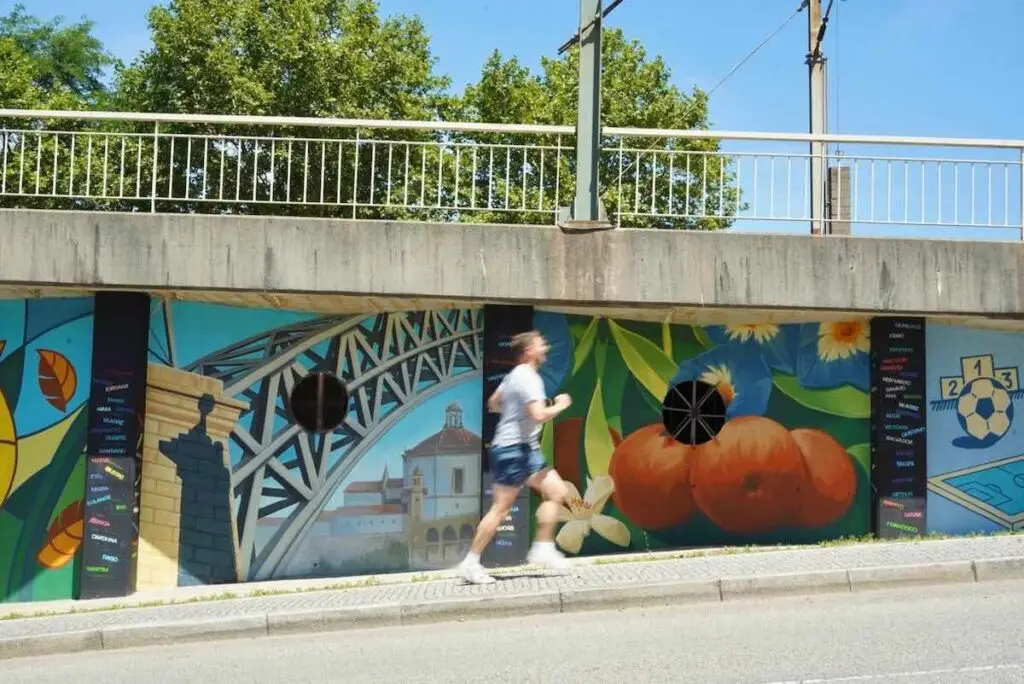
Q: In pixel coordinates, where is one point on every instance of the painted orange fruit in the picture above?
(651, 472)
(748, 479)
(832, 481)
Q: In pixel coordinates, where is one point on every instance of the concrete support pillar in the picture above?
(839, 206)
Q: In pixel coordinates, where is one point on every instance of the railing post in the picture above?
(1021, 159)
(156, 155)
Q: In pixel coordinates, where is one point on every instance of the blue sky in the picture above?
(948, 68)
(913, 67)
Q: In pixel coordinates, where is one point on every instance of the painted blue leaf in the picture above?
(555, 329)
(743, 378)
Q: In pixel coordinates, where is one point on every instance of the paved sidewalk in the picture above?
(588, 585)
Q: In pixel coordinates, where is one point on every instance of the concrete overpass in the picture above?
(337, 265)
(164, 215)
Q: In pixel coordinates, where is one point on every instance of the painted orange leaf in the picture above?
(3, 343)
(64, 537)
(57, 378)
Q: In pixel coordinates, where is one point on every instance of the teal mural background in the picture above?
(45, 366)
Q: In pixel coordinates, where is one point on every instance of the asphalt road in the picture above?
(967, 634)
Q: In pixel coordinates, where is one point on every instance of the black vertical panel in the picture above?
(501, 323)
(899, 427)
(113, 449)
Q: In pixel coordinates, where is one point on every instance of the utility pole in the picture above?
(816, 74)
(587, 212)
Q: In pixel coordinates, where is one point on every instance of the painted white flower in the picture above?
(582, 514)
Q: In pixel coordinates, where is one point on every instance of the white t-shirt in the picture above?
(520, 387)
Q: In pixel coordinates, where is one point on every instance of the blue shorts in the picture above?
(513, 465)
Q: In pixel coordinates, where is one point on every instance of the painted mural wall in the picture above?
(235, 489)
(45, 365)
(788, 407)
(975, 445)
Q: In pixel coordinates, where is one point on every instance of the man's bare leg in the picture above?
(550, 485)
(504, 498)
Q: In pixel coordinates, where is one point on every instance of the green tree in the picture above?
(310, 58)
(46, 65)
(684, 181)
(50, 64)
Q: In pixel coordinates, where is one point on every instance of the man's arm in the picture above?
(541, 413)
(494, 402)
(537, 403)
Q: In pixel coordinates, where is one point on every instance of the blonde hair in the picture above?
(522, 342)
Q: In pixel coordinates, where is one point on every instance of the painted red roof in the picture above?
(447, 441)
(367, 487)
(345, 511)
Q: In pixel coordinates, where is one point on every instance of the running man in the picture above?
(516, 460)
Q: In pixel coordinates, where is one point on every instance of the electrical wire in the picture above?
(801, 8)
(804, 4)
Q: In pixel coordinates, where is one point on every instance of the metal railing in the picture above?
(507, 173)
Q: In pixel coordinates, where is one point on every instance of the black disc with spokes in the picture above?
(693, 412)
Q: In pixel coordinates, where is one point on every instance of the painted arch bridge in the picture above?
(389, 363)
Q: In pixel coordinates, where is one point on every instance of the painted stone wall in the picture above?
(975, 443)
(395, 486)
(45, 365)
(186, 529)
(788, 408)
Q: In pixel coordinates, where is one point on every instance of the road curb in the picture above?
(209, 629)
(789, 583)
(928, 573)
(488, 605)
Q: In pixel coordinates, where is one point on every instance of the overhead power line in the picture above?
(784, 24)
(804, 4)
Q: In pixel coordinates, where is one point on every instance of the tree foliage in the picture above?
(637, 92)
(320, 58)
(342, 59)
(308, 58)
(50, 64)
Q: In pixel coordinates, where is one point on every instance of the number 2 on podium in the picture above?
(951, 387)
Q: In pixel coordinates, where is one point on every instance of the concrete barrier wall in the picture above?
(510, 263)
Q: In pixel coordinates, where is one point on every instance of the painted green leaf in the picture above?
(547, 442)
(861, 453)
(645, 360)
(38, 499)
(666, 339)
(600, 356)
(586, 344)
(846, 401)
(597, 441)
(11, 371)
(613, 386)
(702, 336)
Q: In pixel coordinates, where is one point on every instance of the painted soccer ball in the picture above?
(985, 410)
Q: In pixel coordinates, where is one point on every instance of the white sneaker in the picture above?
(474, 573)
(548, 556)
